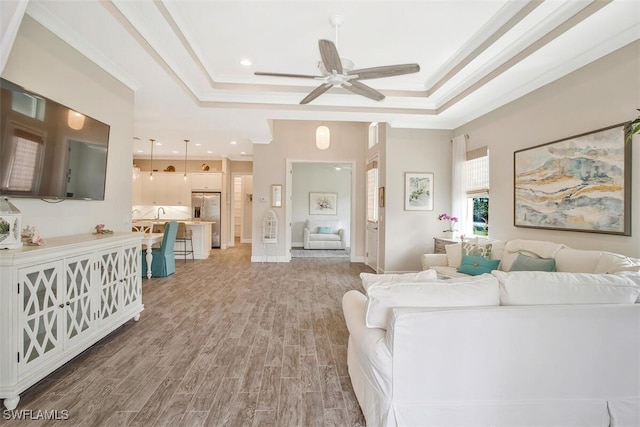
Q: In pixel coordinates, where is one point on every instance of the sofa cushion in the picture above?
(527, 263)
(577, 260)
(370, 279)
(613, 263)
(475, 249)
(459, 292)
(533, 248)
(544, 288)
(454, 254)
(316, 236)
(476, 265)
(325, 230)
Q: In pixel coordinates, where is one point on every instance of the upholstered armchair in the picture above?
(163, 262)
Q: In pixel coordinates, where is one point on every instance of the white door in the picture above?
(371, 255)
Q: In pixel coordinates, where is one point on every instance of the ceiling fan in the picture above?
(338, 71)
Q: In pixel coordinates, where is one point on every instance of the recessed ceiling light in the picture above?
(243, 153)
(174, 151)
(139, 151)
(209, 152)
(233, 142)
(246, 62)
(198, 144)
(158, 143)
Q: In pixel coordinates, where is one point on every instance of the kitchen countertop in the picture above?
(186, 221)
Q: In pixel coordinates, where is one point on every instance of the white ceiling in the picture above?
(182, 59)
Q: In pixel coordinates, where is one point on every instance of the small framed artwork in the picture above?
(276, 195)
(323, 203)
(418, 191)
(381, 197)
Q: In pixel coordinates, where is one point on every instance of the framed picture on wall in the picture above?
(323, 203)
(418, 191)
(580, 183)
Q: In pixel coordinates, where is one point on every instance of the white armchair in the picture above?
(324, 235)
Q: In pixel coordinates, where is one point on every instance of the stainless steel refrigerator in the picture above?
(206, 207)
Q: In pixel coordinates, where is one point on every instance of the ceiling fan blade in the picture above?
(364, 90)
(385, 71)
(330, 56)
(304, 76)
(316, 93)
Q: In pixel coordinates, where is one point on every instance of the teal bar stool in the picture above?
(163, 262)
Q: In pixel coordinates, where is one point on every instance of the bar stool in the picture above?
(184, 235)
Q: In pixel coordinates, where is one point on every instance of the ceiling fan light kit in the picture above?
(337, 71)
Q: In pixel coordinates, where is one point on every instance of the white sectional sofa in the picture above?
(523, 348)
(506, 252)
(324, 235)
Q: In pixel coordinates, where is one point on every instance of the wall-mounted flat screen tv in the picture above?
(48, 150)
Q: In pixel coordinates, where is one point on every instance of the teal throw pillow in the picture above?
(475, 265)
(325, 230)
(527, 263)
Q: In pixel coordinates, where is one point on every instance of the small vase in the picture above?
(448, 234)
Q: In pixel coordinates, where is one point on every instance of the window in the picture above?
(372, 191)
(373, 134)
(23, 167)
(477, 188)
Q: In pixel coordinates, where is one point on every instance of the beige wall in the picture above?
(601, 94)
(41, 62)
(409, 234)
(295, 141)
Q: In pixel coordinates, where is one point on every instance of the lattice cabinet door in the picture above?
(40, 289)
(78, 301)
(131, 277)
(108, 269)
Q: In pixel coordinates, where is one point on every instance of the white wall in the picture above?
(41, 62)
(601, 94)
(295, 141)
(319, 178)
(409, 234)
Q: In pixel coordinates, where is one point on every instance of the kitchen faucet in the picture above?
(158, 213)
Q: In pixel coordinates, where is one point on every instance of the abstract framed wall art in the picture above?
(418, 191)
(323, 203)
(580, 183)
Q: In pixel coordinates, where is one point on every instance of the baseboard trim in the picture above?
(260, 258)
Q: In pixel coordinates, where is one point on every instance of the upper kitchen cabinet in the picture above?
(211, 181)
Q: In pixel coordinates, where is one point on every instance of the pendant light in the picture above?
(186, 144)
(323, 137)
(151, 161)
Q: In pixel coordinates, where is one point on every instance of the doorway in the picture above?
(307, 180)
(242, 205)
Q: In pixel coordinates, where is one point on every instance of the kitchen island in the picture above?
(201, 235)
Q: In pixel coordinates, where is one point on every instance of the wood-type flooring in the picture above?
(222, 341)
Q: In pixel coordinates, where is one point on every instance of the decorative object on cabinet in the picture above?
(101, 230)
(580, 183)
(31, 237)
(163, 261)
(10, 225)
(92, 286)
(170, 168)
(276, 195)
(323, 203)
(418, 191)
(205, 167)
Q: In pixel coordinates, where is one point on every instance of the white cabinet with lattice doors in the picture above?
(269, 232)
(57, 300)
